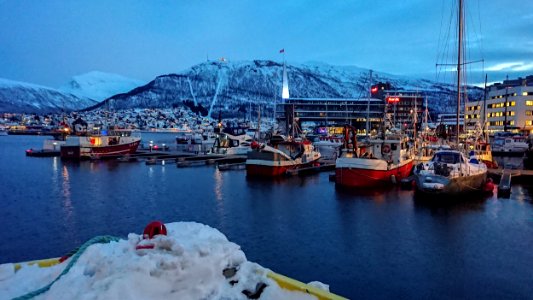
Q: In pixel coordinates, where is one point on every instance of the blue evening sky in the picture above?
(49, 41)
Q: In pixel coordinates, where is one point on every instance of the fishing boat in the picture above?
(227, 144)
(101, 144)
(383, 160)
(328, 146)
(450, 173)
(483, 152)
(426, 151)
(280, 155)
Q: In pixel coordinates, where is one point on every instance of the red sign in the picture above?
(393, 99)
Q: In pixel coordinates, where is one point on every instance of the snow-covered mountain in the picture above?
(228, 85)
(18, 96)
(219, 86)
(99, 85)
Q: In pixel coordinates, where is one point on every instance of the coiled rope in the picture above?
(103, 239)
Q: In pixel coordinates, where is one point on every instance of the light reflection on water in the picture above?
(367, 244)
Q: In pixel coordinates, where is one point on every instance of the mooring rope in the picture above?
(104, 239)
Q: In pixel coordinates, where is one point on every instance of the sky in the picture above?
(48, 42)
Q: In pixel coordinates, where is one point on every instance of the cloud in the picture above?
(511, 66)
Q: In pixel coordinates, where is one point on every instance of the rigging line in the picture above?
(464, 63)
(440, 39)
(482, 50)
(447, 46)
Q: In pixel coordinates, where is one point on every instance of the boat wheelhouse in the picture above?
(101, 144)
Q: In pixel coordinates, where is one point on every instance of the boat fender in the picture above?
(489, 186)
(393, 179)
(150, 231)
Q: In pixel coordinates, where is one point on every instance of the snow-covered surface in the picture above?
(99, 85)
(18, 96)
(186, 264)
(227, 87)
(231, 85)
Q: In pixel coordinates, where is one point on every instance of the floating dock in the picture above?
(504, 187)
(311, 170)
(42, 153)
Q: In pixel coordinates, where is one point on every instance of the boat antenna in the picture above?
(484, 119)
(368, 104)
(506, 103)
(258, 131)
(459, 62)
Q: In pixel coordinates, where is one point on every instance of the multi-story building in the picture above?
(330, 111)
(508, 107)
(402, 106)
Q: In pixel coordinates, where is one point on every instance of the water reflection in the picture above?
(218, 186)
(219, 196)
(450, 204)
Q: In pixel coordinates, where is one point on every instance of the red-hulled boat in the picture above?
(101, 144)
(383, 161)
(279, 156)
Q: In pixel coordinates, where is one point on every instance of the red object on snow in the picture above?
(153, 229)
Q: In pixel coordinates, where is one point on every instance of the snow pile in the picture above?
(99, 85)
(193, 261)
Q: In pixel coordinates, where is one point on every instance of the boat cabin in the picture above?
(448, 157)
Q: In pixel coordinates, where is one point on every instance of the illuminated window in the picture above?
(529, 102)
(529, 112)
(529, 122)
(524, 93)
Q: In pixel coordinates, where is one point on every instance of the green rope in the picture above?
(96, 240)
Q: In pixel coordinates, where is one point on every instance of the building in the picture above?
(331, 111)
(508, 107)
(402, 106)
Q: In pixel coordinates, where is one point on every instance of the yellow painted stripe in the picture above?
(295, 285)
(283, 281)
(43, 263)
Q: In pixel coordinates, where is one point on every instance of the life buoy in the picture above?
(78, 128)
(385, 149)
(151, 230)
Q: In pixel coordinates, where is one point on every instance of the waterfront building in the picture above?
(450, 122)
(332, 111)
(508, 107)
(402, 107)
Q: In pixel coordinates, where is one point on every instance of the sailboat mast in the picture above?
(459, 62)
(368, 105)
(484, 119)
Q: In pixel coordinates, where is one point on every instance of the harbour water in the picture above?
(373, 244)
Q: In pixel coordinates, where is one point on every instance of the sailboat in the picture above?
(450, 172)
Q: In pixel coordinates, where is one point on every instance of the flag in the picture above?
(282, 50)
